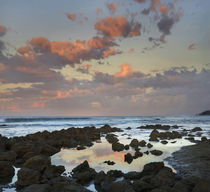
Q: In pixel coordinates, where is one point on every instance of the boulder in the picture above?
(28, 177)
(164, 142)
(165, 177)
(109, 162)
(115, 173)
(8, 156)
(53, 171)
(149, 145)
(152, 168)
(140, 185)
(111, 138)
(154, 135)
(128, 158)
(6, 172)
(83, 173)
(138, 154)
(37, 188)
(117, 146)
(142, 143)
(123, 186)
(134, 143)
(156, 152)
(38, 162)
(81, 167)
(196, 129)
(126, 147)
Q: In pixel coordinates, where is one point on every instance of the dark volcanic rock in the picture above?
(109, 162)
(108, 129)
(123, 186)
(192, 160)
(83, 173)
(196, 129)
(142, 143)
(140, 185)
(111, 138)
(156, 152)
(152, 168)
(8, 156)
(38, 163)
(37, 188)
(164, 142)
(157, 126)
(149, 145)
(134, 143)
(117, 146)
(138, 154)
(28, 177)
(6, 172)
(128, 158)
(154, 135)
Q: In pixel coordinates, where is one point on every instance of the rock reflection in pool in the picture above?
(100, 152)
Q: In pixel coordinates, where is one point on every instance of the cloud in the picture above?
(72, 17)
(125, 71)
(70, 52)
(112, 7)
(191, 46)
(3, 30)
(117, 27)
(165, 16)
(79, 18)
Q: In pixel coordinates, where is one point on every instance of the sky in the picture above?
(104, 57)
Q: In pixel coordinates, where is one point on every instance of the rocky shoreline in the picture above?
(32, 155)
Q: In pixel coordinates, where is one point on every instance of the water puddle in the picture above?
(100, 152)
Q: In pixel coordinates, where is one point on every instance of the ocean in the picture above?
(21, 126)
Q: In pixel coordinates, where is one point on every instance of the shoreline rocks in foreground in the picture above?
(32, 154)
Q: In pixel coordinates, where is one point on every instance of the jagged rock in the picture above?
(83, 173)
(117, 146)
(140, 185)
(149, 145)
(134, 143)
(142, 143)
(165, 177)
(128, 158)
(196, 129)
(28, 177)
(157, 126)
(154, 135)
(124, 186)
(138, 154)
(115, 173)
(37, 188)
(6, 172)
(8, 156)
(38, 162)
(111, 138)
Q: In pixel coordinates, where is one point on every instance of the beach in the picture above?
(141, 157)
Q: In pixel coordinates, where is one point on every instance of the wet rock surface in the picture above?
(192, 160)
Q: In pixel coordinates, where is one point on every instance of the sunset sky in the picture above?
(102, 57)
